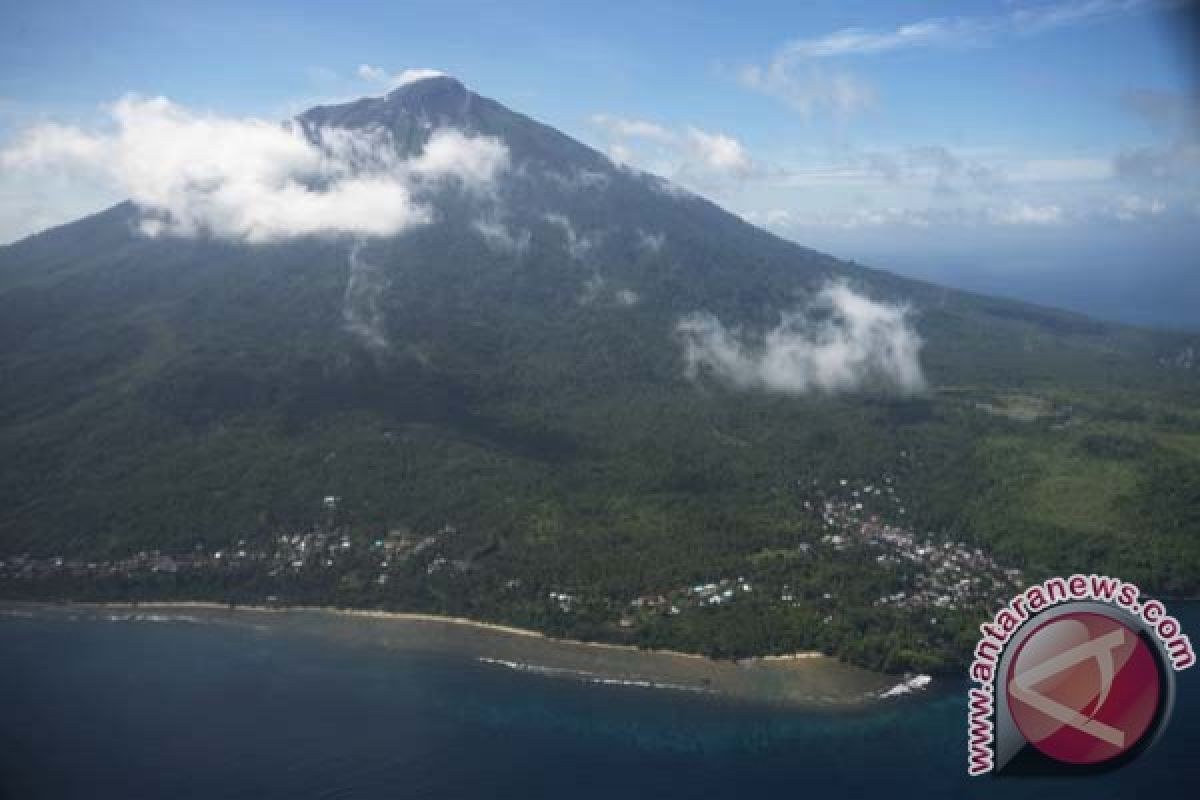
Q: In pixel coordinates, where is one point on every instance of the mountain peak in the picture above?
(434, 95)
(431, 100)
(426, 100)
(427, 83)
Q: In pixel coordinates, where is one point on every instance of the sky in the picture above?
(1046, 150)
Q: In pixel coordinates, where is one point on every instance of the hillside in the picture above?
(570, 371)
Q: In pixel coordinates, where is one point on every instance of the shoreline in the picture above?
(799, 680)
(418, 616)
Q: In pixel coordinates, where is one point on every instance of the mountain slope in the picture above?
(516, 369)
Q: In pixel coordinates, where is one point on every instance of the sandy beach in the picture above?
(800, 679)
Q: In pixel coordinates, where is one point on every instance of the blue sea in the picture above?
(94, 708)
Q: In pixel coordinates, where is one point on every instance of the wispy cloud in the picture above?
(1009, 213)
(959, 31)
(578, 244)
(1042, 18)
(1174, 156)
(784, 220)
(810, 89)
(794, 74)
(362, 308)
(689, 155)
(627, 128)
(862, 41)
(1132, 207)
(1021, 213)
(500, 237)
(369, 72)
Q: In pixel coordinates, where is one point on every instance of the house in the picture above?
(165, 564)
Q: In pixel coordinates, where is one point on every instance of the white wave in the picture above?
(915, 684)
(589, 677)
(134, 617)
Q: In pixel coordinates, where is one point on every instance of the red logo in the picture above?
(1084, 688)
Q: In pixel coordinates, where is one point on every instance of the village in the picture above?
(858, 515)
(325, 546)
(853, 515)
(944, 574)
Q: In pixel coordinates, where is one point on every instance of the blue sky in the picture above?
(1049, 149)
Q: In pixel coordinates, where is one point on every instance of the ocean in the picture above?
(97, 707)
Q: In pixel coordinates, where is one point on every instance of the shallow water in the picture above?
(97, 708)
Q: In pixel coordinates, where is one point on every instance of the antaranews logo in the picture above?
(1074, 675)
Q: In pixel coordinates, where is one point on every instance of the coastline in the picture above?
(803, 680)
(416, 616)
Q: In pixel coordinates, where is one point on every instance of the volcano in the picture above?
(607, 384)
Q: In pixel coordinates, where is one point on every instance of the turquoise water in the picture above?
(101, 709)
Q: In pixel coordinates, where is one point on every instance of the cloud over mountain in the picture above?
(256, 181)
(379, 75)
(690, 155)
(842, 341)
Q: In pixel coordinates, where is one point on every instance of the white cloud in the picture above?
(253, 180)
(792, 74)
(860, 41)
(620, 153)
(843, 341)
(499, 237)
(690, 155)
(845, 219)
(1037, 19)
(372, 73)
(627, 298)
(718, 152)
(980, 170)
(969, 187)
(1021, 213)
(43, 144)
(1134, 207)
(379, 75)
(597, 289)
(579, 179)
(633, 128)
(579, 245)
(408, 76)
(475, 160)
(772, 218)
(810, 89)
(651, 242)
(958, 31)
(362, 311)
(944, 217)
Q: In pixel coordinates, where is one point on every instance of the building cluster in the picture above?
(716, 593)
(401, 545)
(854, 515)
(720, 592)
(944, 574)
(319, 548)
